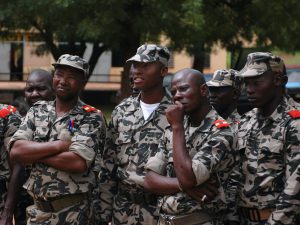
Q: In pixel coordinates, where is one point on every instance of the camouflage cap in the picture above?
(151, 53)
(73, 61)
(223, 78)
(261, 62)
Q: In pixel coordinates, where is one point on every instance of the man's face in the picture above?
(222, 97)
(185, 90)
(38, 88)
(261, 89)
(146, 76)
(67, 83)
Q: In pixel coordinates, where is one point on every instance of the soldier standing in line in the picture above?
(224, 92)
(38, 87)
(9, 123)
(196, 147)
(136, 126)
(269, 141)
(60, 139)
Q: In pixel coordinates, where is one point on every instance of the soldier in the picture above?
(136, 126)
(196, 147)
(224, 92)
(9, 123)
(60, 139)
(269, 146)
(38, 87)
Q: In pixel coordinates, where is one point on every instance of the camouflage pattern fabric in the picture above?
(130, 142)
(86, 131)
(75, 214)
(270, 164)
(211, 150)
(9, 123)
(151, 53)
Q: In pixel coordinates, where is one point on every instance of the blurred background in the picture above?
(203, 34)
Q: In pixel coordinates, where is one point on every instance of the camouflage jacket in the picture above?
(9, 123)
(270, 162)
(130, 142)
(83, 126)
(211, 150)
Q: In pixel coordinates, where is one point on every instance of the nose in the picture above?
(35, 93)
(250, 89)
(177, 96)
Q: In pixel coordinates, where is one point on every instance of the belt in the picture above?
(198, 217)
(139, 197)
(57, 204)
(254, 214)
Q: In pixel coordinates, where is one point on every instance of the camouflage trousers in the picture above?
(130, 212)
(74, 215)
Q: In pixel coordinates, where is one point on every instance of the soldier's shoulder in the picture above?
(6, 110)
(220, 123)
(92, 110)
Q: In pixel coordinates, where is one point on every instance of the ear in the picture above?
(164, 71)
(279, 80)
(236, 94)
(204, 90)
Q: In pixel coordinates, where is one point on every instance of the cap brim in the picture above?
(139, 58)
(217, 84)
(250, 73)
(62, 64)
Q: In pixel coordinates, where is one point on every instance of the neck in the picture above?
(63, 107)
(153, 96)
(269, 108)
(198, 116)
(226, 113)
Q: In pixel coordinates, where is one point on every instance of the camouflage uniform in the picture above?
(9, 123)
(227, 78)
(211, 148)
(86, 130)
(273, 181)
(270, 158)
(130, 142)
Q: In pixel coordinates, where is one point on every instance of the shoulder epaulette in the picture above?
(221, 124)
(89, 108)
(294, 114)
(6, 111)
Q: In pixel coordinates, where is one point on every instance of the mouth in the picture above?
(137, 80)
(252, 99)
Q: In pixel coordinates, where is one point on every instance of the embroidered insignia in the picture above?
(89, 108)
(221, 124)
(6, 111)
(294, 114)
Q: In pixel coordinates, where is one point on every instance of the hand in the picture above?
(175, 113)
(203, 193)
(6, 217)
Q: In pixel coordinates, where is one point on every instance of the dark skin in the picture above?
(265, 91)
(224, 99)
(190, 97)
(148, 78)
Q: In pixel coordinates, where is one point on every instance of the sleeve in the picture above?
(12, 124)
(89, 137)
(288, 204)
(158, 162)
(216, 155)
(26, 129)
(107, 174)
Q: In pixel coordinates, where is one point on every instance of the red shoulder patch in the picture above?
(294, 114)
(89, 108)
(6, 111)
(221, 124)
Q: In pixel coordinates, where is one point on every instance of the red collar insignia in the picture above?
(6, 111)
(221, 124)
(294, 114)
